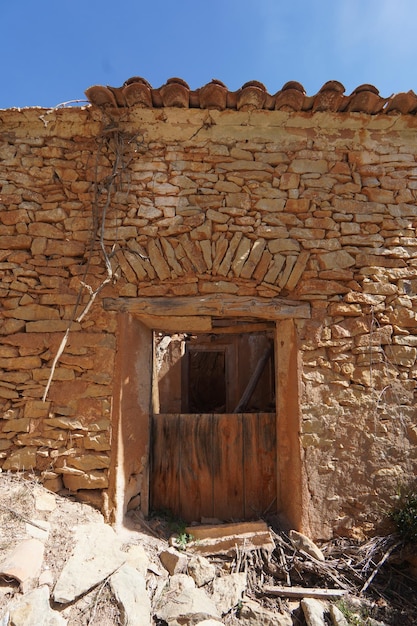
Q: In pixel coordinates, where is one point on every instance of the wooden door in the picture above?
(214, 465)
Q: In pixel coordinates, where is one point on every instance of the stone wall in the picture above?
(316, 208)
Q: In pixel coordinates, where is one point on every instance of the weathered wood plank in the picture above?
(227, 466)
(166, 449)
(259, 464)
(218, 305)
(216, 531)
(171, 324)
(196, 471)
(304, 592)
(228, 538)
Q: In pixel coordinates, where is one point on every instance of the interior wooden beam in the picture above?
(253, 381)
(211, 305)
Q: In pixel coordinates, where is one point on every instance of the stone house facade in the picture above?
(227, 221)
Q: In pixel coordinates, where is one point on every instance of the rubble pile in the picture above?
(61, 564)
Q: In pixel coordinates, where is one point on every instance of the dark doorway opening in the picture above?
(214, 373)
(206, 382)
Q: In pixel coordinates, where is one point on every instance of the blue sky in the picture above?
(50, 52)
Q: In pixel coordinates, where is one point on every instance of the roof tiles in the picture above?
(138, 92)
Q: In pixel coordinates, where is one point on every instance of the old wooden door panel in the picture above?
(228, 471)
(259, 463)
(196, 467)
(214, 465)
(165, 463)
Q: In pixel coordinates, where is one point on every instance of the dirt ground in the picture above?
(390, 597)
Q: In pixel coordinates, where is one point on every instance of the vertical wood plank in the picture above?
(129, 474)
(196, 462)
(166, 447)
(259, 464)
(228, 467)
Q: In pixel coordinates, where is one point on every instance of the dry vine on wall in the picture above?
(119, 147)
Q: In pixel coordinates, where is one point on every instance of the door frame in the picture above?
(132, 397)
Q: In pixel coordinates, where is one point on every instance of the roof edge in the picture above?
(253, 95)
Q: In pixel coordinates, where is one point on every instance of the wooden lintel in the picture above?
(211, 305)
(242, 328)
(175, 324)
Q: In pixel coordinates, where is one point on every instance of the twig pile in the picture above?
(375, 571)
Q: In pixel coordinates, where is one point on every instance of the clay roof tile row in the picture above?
(136, 91)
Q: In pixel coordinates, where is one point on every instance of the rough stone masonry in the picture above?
(317, 208)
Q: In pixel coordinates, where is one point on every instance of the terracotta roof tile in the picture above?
(136, 91)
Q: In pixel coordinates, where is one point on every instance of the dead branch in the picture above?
(379, 565)
(55, 361)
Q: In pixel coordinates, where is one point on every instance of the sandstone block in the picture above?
(8, 393)
(34, 608)
(321, 287)
(228, 591)
(158, 262)
(33, 312)
(88, 462)
(401, 355)
(98, 441)
(297, 270)
(174, 561)
(36, 409)
(304, 543)
(20, 363)
(23, 459)
(272, 232)
(220, 286)
(129, 588)
(283, 245)
(242, 254)
(93, 479)
(340, 259)
(253, 613)
(15, 242)
(297, 205)
(217, 217)
(403, 317)
(307, 166)
(375, 194)
(271, 205)
(11, 326)
(307, 233)
(314, 611)
(49, 231)
(253, 258)
(201, 570)
(377, 337)
(289, 180)
(20, 425)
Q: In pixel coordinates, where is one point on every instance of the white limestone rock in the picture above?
(228, 591)
(129, 588)
(313, 612)
(96, 556)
